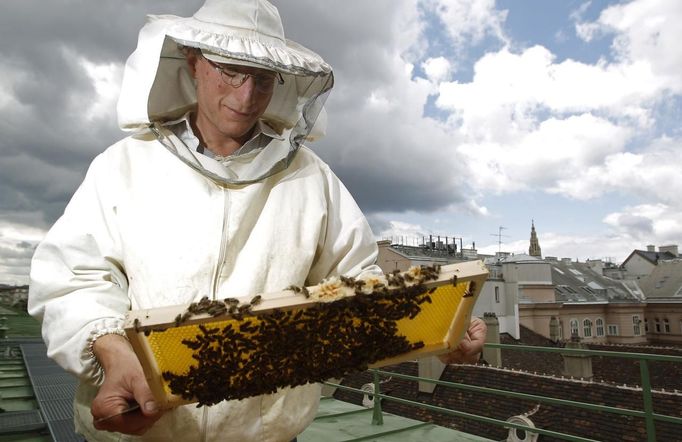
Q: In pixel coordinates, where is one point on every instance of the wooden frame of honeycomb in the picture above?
(218, 350)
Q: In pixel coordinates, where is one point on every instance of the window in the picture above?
(612, 330)
(636, 327)
(497, 294)
(574, 327)
(666, 326)
(657, 325)
(587, 328)
(646, 325)
(600, 327)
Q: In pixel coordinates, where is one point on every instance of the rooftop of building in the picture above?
(615, 384)
(664, 281)
(580, 282)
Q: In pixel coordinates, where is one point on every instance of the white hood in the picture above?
(158, 87)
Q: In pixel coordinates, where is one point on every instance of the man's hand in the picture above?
(470, 347)
(124, 385)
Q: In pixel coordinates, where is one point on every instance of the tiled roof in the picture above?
(578, 282)
(546, 382)
(652, 257)
(665, 280)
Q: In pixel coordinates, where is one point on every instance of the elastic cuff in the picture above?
(99, 371)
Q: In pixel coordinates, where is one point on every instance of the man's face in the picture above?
(227, 111)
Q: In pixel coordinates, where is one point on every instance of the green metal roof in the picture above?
(342, 421)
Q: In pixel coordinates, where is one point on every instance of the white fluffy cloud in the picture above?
(646, 31)
(528, 121)
(650, 223)
(469, 21)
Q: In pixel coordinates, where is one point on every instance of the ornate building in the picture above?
(534, 249)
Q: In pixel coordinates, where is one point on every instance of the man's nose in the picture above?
(247, 91)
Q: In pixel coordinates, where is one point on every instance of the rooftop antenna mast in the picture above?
(499, 236)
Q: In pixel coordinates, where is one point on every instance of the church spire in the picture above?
(534, 249)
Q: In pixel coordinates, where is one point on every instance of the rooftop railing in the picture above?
(647, 413)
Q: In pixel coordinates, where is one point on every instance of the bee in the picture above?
(178, 320)
(453, 281)
(470, 290)
(231, 301)
(305, 292)
(347, 280)
(136, 325)
(256, 300)
(294, 288)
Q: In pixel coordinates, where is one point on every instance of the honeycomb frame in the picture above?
(162, 341)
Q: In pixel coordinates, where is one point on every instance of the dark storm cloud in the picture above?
(390, 160)
(46, 142)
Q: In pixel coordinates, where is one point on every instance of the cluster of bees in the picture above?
(218, 308)
(260, 353)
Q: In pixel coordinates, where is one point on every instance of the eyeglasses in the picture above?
(264, 83)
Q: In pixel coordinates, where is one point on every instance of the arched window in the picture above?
(587, 328)
(666, 325)
(599, 323)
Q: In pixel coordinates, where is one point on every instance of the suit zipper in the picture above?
(223, 245)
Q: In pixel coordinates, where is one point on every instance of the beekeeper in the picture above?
(213, 193)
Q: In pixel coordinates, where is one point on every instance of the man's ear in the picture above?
(192, 60)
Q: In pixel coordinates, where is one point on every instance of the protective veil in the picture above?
(158, 87)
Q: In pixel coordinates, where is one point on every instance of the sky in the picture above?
(467, 119)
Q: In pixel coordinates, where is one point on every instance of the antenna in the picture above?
(499, 236)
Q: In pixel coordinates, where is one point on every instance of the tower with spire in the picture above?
(534, 249)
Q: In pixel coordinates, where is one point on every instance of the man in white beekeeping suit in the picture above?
(213, 194)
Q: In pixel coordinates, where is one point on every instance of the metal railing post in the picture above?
(377, 415)
(648, 402)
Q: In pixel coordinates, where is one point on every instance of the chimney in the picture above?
(492, 355)
(651, 248)
(577, 365)
(672, 248)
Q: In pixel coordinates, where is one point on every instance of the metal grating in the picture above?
(62, 431)
(57, 410)
(20, 421)
(59, 391)
(54, 390)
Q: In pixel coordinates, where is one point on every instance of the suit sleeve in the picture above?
(348, 246)
(78, 287)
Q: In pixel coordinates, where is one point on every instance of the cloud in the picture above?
(652, 174)
(524, 120)
(645, 32)
(17, 243)
(436, 69)
(650, 223)
(468, 22)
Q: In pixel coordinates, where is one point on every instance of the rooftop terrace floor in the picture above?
(341, 421)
